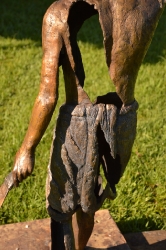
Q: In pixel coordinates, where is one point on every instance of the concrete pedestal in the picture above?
(151, 240)
(35, 235)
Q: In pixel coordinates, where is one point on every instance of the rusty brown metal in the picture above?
(5, 187)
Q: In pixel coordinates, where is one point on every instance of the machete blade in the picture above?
(5, 187)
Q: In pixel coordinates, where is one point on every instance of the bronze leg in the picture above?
(82, 226)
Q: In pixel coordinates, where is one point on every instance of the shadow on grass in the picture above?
(139, 225)
(21, 19)
(157, 48)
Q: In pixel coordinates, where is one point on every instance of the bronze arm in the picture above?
(45, 102)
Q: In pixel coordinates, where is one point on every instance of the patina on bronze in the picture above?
(6, 187)
(86, 134)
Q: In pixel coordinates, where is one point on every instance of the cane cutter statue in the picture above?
(87, 134)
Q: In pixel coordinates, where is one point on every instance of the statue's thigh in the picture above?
(133, 29)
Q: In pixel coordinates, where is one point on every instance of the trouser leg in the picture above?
(57, 235)
(62, 237)
(68, 235)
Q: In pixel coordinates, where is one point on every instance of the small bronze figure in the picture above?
(86, 134)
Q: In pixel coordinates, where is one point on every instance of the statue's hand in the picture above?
(23, 165)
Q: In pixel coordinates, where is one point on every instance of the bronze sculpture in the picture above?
(111, 122)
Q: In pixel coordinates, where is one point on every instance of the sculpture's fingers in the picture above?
(15, 179)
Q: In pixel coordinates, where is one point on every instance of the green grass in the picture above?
(141, 201)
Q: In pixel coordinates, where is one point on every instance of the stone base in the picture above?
(106, 234)
(35, 235)
(32, 235)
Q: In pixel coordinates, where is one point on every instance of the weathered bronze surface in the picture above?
(5, 187)
(86, 134)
